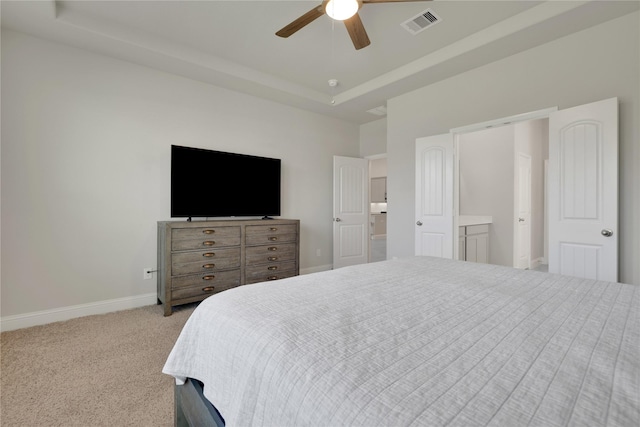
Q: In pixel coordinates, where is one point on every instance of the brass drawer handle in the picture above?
(273, 229)
(272, 258)
(209, 254)
(273, 267)
(208, 266)
(272, 248)
(273, 239)
(209, 231)
(272, 278)
(208, 277)
(208, 243)
(208, 289)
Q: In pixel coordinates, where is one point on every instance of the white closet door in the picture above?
(583, 191)
(434, 196)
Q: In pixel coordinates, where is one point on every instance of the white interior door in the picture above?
(350, 211)
(434, 196)
(523, 212)
(583, 191)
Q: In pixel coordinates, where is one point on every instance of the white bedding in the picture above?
(418, 342)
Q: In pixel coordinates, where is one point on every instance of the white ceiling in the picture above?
(233, 44)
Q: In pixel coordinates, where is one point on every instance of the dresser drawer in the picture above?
(229, 278)
(199, 292)
(273, 271)
(204, 237)
(205, 260)
(263, 234)
(271, 253)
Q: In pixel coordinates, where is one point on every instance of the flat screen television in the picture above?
(207, 183)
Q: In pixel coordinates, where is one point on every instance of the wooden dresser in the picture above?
(200, 258)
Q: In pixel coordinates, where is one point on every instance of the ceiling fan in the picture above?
(340, 10)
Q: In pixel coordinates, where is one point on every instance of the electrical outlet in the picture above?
(146, 273)
(318, 252)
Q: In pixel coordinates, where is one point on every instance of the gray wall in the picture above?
(378, 167)
(373, 138)
(85, 168)
(564, 73)
(85, 153)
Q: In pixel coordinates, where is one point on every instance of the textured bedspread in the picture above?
(418, 342)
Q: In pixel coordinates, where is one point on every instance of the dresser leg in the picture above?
(167, 310)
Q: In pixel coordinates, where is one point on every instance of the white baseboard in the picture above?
(19, 321)
(535, 263)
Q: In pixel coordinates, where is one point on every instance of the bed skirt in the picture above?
(192, 409)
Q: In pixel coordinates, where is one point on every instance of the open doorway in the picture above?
(582, 201)
(378, 208)
(501, 202)
(359, 210)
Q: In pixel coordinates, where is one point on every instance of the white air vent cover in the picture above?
(421, 22)
(378, 111)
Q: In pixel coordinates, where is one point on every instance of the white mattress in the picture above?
(418, 342)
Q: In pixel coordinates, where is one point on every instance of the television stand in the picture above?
(266, 217)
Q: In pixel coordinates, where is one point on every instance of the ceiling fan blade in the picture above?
(356, 31)
(299, 23)
(389, 1)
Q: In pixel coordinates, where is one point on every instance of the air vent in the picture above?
(421, 22)
(378, 111)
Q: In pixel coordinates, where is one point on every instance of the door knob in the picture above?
(606, 232)
(419, 223)
(520, 219)
(338, 220)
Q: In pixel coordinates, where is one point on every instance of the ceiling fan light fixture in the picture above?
(342, 9)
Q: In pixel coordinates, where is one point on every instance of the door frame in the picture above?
(517, 244)
(370, 159)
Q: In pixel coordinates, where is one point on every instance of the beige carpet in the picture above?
(102, 370)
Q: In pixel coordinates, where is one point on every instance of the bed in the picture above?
(420, 341)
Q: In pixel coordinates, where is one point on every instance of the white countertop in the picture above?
(464, 220)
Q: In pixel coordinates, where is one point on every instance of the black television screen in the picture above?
(207, 183)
